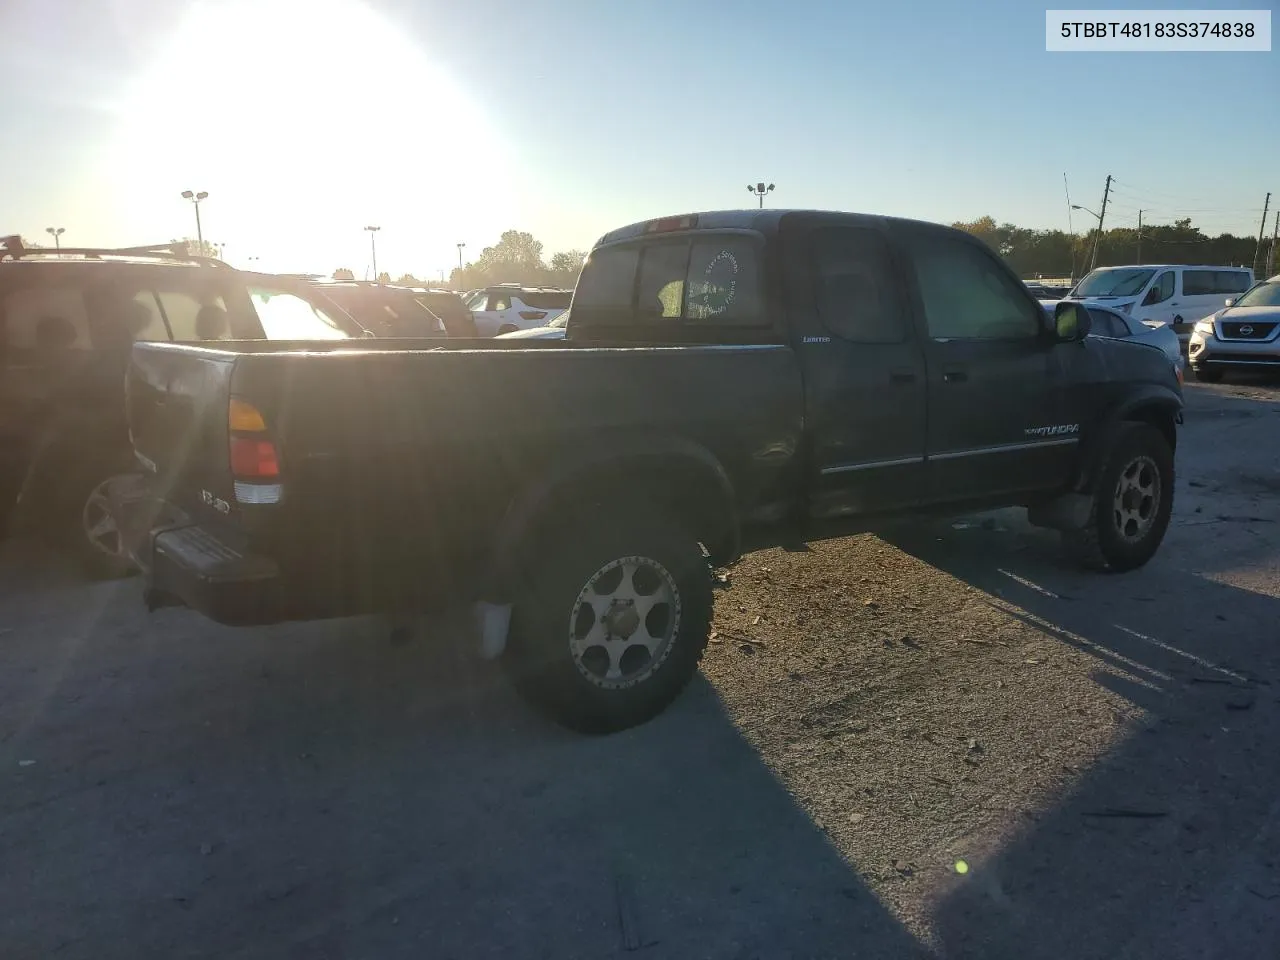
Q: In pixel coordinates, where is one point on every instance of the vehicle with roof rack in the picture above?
(68, 319)
(727, 381)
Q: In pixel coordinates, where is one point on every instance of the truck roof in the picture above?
(760, 220)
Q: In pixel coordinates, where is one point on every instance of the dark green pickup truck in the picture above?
(727, 380)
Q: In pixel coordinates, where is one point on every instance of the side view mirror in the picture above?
(1229, 302)
(1071, 321)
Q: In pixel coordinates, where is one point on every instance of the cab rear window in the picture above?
(696, 281)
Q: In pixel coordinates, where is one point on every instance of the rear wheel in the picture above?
(611, 620)
(96, 541)
(1207, 374)
(1132, 503)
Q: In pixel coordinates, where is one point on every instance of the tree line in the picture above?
(1055, 253)
(516, 258)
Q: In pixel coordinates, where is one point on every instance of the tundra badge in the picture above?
(1054, 431)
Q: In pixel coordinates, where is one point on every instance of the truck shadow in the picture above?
(315, 791)
(1168, 847)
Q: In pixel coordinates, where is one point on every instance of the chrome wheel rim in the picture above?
(1136, 499)
(99, 523)
(624, 621)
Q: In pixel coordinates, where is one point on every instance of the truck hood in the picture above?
(1132, 361)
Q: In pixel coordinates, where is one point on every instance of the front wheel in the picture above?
(1132, 503)
(611, 620)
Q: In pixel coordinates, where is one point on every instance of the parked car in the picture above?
(68, 319)
(1042, 292)
(555, 330)
(1245, 335)
(1108, 323)
(507, 308)
(1175, 294)
(390, 310)
(695, 410)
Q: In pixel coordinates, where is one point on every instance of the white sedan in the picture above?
(1110, 323)
(555, 330)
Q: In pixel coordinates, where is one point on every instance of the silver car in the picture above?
(1118, 326)
(1244, 335)
(555, 330)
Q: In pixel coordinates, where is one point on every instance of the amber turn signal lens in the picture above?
(244, 416)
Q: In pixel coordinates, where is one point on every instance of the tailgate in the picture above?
(177, 398)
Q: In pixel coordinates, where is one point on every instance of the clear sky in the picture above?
(442, 122)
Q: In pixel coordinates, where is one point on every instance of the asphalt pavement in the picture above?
(938, 741)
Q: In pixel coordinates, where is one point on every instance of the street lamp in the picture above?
(373, 248)
(1097, 237)
(195, 198)
(760, 189)
(460, 246)
(57, 235)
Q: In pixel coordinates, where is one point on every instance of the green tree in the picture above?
(409, 280)
(342, 273)
(383, 277)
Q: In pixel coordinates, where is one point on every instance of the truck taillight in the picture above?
(532, 314)
(254, 459)
(255, 464)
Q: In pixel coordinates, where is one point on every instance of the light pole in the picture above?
(1097, 216)
(195, 199)
(373, 249)
(460, 246)
(57, 236)
(760, 189)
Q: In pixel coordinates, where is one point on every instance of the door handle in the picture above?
(954, 376)
(902, 376)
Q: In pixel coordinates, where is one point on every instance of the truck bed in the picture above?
(399, 462)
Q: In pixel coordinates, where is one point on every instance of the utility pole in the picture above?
(1139, 238)
(1257, 255)
(1106, 192)
(1275, 239)
(1071, 230)
(460, 246)
(373, 249)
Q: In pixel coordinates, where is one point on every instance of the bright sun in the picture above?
(306, 120)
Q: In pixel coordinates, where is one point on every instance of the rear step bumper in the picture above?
(184, 564)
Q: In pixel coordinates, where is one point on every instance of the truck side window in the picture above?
(967, 296)
(1162, 289)
(855, 287)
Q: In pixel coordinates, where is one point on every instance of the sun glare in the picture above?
(306, 120)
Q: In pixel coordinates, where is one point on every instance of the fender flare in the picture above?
(532, 503)
(1136, 406)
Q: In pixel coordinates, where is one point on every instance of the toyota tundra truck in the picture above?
(727, 381)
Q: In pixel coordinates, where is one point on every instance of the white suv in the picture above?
(508, 307)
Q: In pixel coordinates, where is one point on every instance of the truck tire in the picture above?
(611, 619)
(1132, 502)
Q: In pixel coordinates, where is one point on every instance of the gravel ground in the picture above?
(940, 740)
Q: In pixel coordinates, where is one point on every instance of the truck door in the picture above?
(993, 384)
(864, 375)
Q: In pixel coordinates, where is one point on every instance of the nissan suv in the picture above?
(1245, 335)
